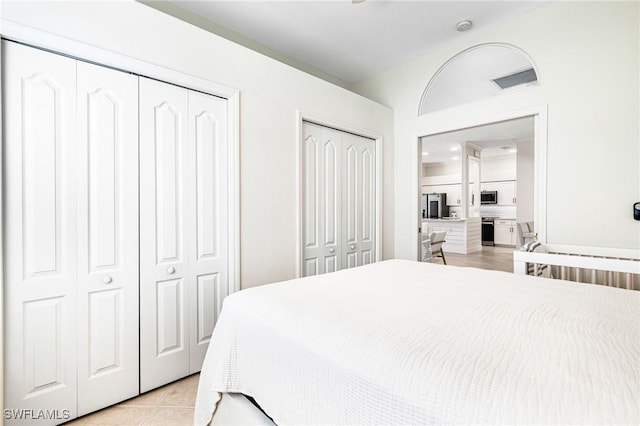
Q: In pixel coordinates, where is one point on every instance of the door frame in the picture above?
(482, 118)
(337, 124)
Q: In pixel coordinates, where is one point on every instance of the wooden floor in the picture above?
(169, 405)
(495, 258)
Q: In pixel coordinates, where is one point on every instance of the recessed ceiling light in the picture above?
(513, 151)
(425, 154)
(454, 158)
(464, 25)
(455, 148)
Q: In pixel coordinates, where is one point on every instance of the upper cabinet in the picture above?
(506, 191)
(453, 191)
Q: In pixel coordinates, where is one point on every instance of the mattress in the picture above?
(403, 342)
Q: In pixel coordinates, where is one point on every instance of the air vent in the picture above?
(522, 77)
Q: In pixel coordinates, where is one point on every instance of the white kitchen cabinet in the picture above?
(454, 194)
(339, 200)
(463, 235)
(504, 232)
(453, 191)
(506, 191)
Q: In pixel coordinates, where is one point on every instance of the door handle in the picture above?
(332, 250)
(107, 279)
(352, 246)
(171, 270)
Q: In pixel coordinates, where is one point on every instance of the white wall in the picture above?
(441, 173)
(586, 54)
(500, 167)
(270, 94)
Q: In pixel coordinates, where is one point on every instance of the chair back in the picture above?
(437, 238)
(524, 233)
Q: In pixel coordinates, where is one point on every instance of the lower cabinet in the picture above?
(504, 232)
(463, 235)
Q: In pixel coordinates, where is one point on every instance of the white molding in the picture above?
(573, 261)
(349, 128)
(594, 251)
(484, 117)
(84, 52)
(233, 173)
(1, 242)
(425, 93)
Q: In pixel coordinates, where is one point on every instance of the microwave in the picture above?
(489, 197)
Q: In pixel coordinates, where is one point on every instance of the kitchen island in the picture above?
(463, 235)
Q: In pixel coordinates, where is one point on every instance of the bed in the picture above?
(404, 342)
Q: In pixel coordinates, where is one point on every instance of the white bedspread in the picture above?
(402, 342)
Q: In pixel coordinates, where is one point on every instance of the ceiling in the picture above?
(338, 40)
(494, 139)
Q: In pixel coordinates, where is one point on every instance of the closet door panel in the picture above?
(208, 256)
(367, 201)
(40, 230)
(331, 216)
(322, 199)
(107, 237)
(358, 198)
(312, 207)
(164, 236)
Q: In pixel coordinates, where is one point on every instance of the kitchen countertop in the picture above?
(458, 219)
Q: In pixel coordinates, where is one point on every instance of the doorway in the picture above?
(490, 175)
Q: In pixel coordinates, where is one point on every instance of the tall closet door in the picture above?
(358, 200)
(107, 270)
(164, 236)
(40, 230)
(322, 199)
(207, 283)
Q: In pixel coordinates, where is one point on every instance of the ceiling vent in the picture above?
(516, 79)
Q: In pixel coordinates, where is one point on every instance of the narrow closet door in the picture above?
(208, 258)
(107, 237)
(358, 200)
(322, 198)
(39, 95)
(164, 216)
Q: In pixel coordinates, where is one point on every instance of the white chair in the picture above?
(437, 238)
(525, 233)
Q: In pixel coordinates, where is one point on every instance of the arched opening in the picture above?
(486, 170)
(478, 73)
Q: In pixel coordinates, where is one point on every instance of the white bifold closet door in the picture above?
(40, 163)
(339, 178)
(107, 256)
(183, 228)
(71, 225)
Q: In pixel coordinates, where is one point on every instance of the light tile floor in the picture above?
(171, 404)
